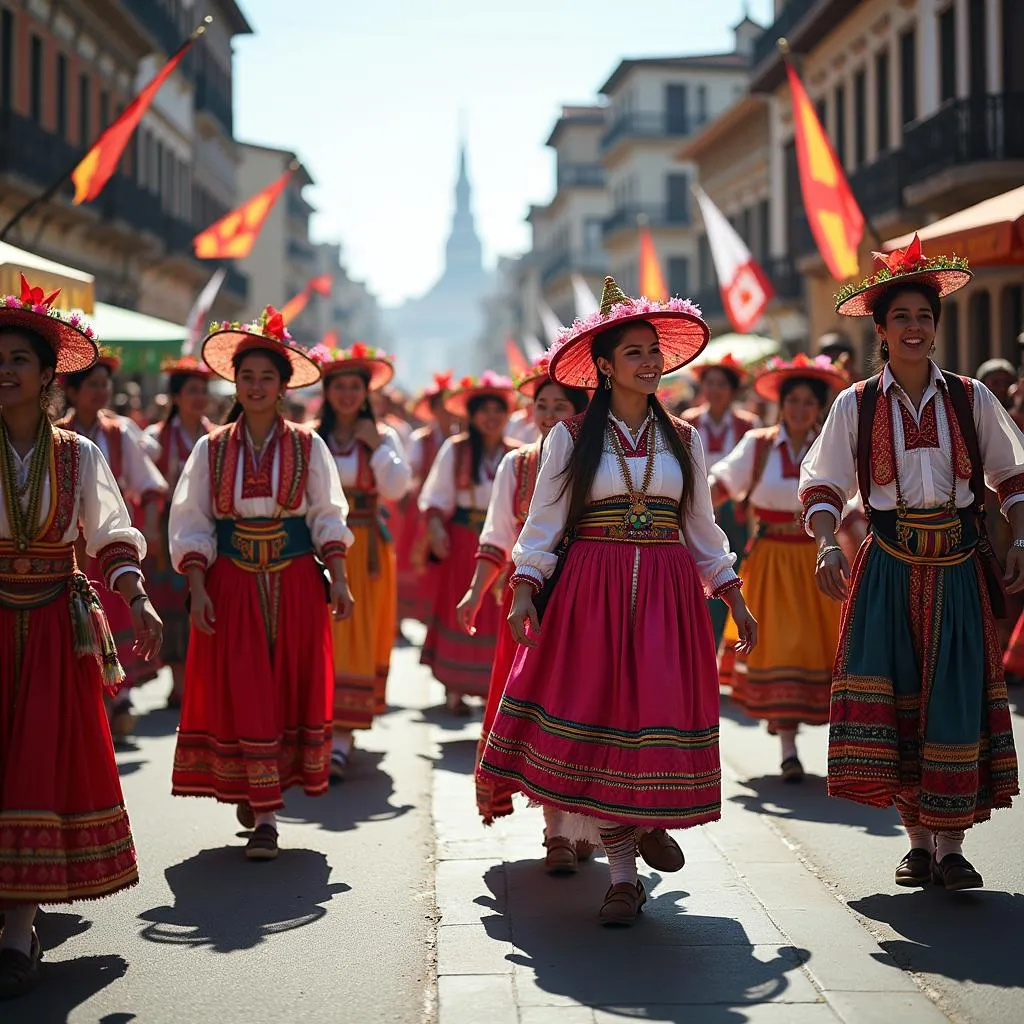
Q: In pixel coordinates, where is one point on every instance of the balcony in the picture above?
(213, 102)
(801, 240)
(878, 186)
(567, 262)
(236, 283)
(984, 131)
(31, 152)
(710, 301)
(785, 279)
(791, 16)
(658, 215)
(158, 23)
(634, 125)
(580, 176)
(299, 251)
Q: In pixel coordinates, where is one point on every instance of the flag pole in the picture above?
(51, 190)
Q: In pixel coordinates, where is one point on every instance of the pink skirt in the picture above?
(614, 714)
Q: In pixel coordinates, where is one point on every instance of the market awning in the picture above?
(990, 233)
(145, 341)
(76, 286)
(749, 349)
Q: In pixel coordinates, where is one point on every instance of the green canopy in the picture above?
(145, 341)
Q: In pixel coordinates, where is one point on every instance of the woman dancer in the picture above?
(372, 465)
(919, 711)
(258, 502)
(634, 746)
(59, 788)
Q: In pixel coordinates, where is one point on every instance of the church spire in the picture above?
(463, 252)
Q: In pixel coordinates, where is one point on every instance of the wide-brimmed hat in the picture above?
(377, 364)
(268, 334)
(682, 334)
(768, 383)
(185, 366)
(946, 274)
(530, 380)
(441, 385)
(488, 385)
(67, 332)
(728, 362)
(110, 358)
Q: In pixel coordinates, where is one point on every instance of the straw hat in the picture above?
(441, 385)
(488, 385)
(187, 366)
(728, 362)
(768, 383)
(374, 361)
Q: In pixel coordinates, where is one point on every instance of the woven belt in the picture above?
(29, 579)
(926, 536)
(364, 509)
(263, 545)
(606, 521)
(474, 518)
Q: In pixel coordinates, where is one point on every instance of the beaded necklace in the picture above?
(638, 517)
(24, 523)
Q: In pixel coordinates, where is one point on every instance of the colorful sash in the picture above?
(263, 545)
(605, 521)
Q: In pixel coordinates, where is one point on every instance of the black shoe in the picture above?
(915, 870)
(792, 770)
(955, 872)
(18, 972)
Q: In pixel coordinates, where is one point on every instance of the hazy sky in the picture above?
(368, 94)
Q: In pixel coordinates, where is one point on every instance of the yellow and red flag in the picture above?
(233, 236)
(96, 167)
(293, 307)
(652, 280)
(835, 218)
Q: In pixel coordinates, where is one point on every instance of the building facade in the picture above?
(351, 311)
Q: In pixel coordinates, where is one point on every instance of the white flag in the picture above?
(745, 287)
(196, 323)
(551, 324)
(586, 300)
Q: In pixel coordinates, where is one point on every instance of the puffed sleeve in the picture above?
(145, 439)
(145, 481)
(534, 553)
(1002, 447)
(391, 469)
(438, 497)
(704, 537)
(105, 520)
(327, 514)
(828, 475)
(500, 526)
(735, 472)
(193, 539)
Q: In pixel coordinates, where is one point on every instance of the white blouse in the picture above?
(99, 508)
(522, 428)
(534, 552)
(139, 474)
(179, 441)
(391, 469)
(724, 431)
(440, 491)
(925, 473)
(735, 473)
(323, 506)
(501, 528)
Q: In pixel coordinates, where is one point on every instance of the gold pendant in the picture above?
(638, 517)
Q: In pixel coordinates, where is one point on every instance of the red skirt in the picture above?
(417, 580)
(257, 709)
(64, 833)
(460, 661)
(614, 714)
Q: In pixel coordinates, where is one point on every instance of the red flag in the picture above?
(321, 285)
(96, 167)
(233, 236)
(652, 280)
(517, 362)
(835, 218)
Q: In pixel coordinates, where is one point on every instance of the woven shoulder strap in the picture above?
(961, 397)
(867, 399)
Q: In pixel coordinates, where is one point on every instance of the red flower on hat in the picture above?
(443, 381)
(34, 296)
(466, 382)
(901, 261)
(274, 326)
(359, 351)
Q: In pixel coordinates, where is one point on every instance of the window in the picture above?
(104, 109)
(677, 120)
(6, 58)
(679, 275)
(746, 226)
(821, 108)
(705, 268)
(62, 95)
(882, 120)
(35, 98)
(763, 231)
(840, 136)
(678, 196)
(978, 47)
(860, 118)
(947, 54)
(593, 237)
(1013, 32)
(84, 110)
(702, 104)
(908, 77)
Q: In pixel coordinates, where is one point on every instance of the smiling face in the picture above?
(93, 394)
(258, 384)
(909, 328)
(346, 394)
(716, 387)
(490, 417)
(193, 398)
(637, 363)
(551, 406)
(800, 410)
(22, 376)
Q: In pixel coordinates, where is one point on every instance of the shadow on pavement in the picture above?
(458, 756)
(442, 718)
(56, 928)
(809, 801)
(156, 723)
(364, 796)
(962, 936)
(731, 710)
(64, 986)
(686, 966)
(227, 904)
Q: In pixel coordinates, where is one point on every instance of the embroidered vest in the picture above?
(169, 438)
(113, 437)
(464, 460)
(527, 462)
(64, 485)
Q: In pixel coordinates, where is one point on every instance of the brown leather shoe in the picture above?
(955, 872)
(622, 904)
(246, 816)
(661, 851)
(915, 870)
(792, 770)
(561, 857)
(18, 972)
(263, 844)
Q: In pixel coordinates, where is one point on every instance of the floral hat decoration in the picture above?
(441, 385)
(374, 361)
(186, 366)
(728, 362)
(110, 358)
(768, 383)
(67, 332)
(488, 385)
(268, 334)
(681, 332)
(529, 381)
(946, 274)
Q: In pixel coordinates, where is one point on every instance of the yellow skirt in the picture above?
(787, 678)
(363, 642)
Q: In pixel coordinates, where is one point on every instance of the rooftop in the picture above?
(695, 62)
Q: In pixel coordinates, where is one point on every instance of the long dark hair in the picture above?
(818, 388)
(73, 381)
(329, 418)
(175, 385)
(476, 439)
(579, 397)
(280, 363)
(583, 464)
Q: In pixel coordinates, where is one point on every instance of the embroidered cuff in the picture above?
(817, 499)
(1009, 490)
(193, 560)
(114, 558)
(733, 584)
(518, 580)
(151, 498)
(333, 549)
(492, 553)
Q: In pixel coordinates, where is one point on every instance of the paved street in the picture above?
(785, 913)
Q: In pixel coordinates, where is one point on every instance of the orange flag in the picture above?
(96, 167)
(652, 280)
(233, 236)
(517, 362)
(293, 307)
(835, 218)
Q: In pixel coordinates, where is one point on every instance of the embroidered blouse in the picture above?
(522, 428)
(510, 501)
(443, 493)
(173, 447)
(391, 469)
(719, 439)
(916, 444)
(199, 500)
(778, 487)
(534, 553)
(88, 498)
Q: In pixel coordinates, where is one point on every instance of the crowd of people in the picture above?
(593, 560)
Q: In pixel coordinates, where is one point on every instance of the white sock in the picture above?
(267, 818)
(620, 848)
(787, 738)
(947, 843)
(342, 742)
(17, 933)
(921, 838)
(554, 822)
